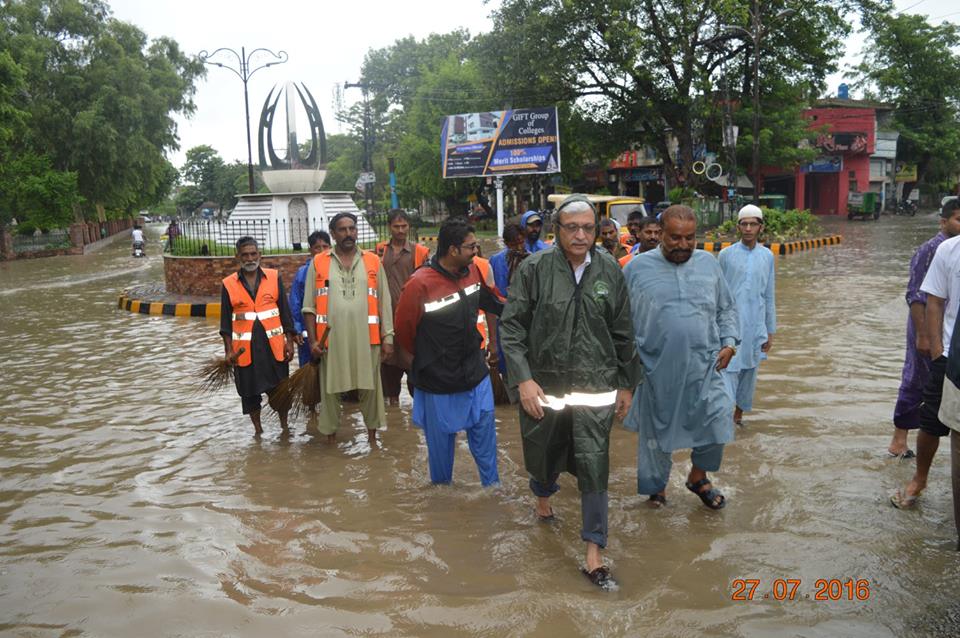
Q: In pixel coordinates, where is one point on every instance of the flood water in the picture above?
(131, 505)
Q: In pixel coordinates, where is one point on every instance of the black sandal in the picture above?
(709, 497)
(656, 501)
(602, 578)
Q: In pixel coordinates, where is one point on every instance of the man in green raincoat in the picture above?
(567, 336)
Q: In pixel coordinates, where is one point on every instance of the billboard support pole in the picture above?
(498, 182)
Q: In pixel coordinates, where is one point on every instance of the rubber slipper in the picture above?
(545, 519)
(903, 502)
(909, 454)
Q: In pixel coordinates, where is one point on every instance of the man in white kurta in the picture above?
(686, 331)
(748, 270)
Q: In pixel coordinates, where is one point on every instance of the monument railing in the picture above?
(217, 238)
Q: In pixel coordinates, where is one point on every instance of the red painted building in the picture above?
(847, 137)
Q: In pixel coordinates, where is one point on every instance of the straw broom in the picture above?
(500, 396)
(216, 373)
(301, 390)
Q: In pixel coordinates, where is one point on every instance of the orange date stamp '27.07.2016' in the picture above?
(747, 589)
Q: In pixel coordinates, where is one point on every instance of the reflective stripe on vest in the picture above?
(483, 266)
(584, 399)
(246, 311)
(371, 263)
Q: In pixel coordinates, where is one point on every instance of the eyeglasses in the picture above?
(572, 228)
(472, 246)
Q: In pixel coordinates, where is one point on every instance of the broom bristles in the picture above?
(216, 373)
(300, 392)
(500, 396)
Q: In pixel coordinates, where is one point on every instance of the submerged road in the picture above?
(131, 505)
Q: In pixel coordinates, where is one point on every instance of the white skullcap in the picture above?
(750, 211)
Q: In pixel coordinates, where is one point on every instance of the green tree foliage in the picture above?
(208, 179)
(914, 65)
(652, 66)
(100, 98)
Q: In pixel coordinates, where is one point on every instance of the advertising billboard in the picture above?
(509, 142)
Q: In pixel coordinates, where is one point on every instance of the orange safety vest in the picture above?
(626, 259)
(371, 263)
(246, 311)
(420, 253)
(483, 265)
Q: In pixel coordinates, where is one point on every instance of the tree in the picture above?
(650, 67)
(913, 65)
(101, 98)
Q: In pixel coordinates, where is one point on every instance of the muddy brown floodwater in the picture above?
(129, 505)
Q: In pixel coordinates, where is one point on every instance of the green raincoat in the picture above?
(569, 338)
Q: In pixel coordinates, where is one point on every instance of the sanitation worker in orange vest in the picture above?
(347, 297)
(257, 330)
(400, 258)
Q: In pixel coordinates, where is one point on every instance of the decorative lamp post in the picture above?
(244, 70)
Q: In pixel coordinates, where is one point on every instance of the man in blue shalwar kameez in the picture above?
(686, 330)
(748, 269)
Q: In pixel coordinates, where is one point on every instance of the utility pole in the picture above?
(367, 141)
(755, 11)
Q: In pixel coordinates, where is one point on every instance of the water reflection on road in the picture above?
(129, 504)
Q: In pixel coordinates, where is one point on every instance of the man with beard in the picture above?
(347, 294)
(748, 269)
(532, 223)
(257, 330)
(610, 238)
(686, 330)
(568, 343)
(439, 343)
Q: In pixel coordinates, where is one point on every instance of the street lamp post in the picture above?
(245, 70)
(755, 34)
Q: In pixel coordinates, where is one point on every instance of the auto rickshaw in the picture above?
(862, 205)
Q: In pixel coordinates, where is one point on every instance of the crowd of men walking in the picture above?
(643, 327)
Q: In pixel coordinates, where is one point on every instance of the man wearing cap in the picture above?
(348, 298)
(748, 269)
(568, 342)
(686, 331)
(532, 223)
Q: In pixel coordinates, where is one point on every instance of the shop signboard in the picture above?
(824, 164)
(516, 141)
(906, 172)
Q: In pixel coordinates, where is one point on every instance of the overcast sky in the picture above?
(326, 41)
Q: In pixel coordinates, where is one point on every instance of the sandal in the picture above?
(602, 578)
(656, 501)
(901, 501)
(712, 498)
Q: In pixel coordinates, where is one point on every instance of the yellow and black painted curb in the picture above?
(172, 309)
(778, 248)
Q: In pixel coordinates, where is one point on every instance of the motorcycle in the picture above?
(906, 207)
(138, 249)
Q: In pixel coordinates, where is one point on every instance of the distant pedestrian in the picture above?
(748, 269)
(916, 366)
(648, 231)
(438, 341)
(257, 330)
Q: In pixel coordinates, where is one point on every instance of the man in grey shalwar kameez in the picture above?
(686, 328)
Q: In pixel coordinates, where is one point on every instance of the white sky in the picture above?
(326, 41)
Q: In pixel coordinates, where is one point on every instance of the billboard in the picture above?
(824, 164)
(500, 143)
